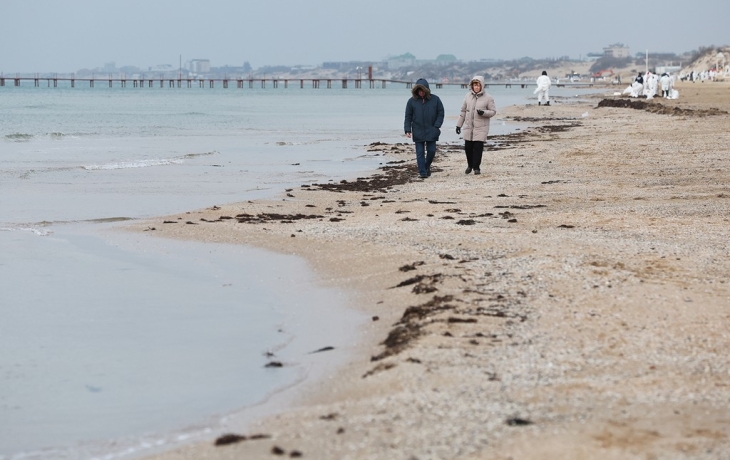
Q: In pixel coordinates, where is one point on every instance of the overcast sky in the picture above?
(67, 35)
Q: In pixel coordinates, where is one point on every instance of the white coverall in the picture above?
(542, 90)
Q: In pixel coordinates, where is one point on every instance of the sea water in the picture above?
(114, 344)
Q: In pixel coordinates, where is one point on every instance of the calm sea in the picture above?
(113, 345)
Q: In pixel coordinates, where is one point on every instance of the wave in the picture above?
(131, 164)
(19, 137)
(195, 155)
(147, 163)
(38, 231)
(41, 228)
(60, 136)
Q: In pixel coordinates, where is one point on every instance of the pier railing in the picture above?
(161, 82)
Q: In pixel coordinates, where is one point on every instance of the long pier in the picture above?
(250, 82)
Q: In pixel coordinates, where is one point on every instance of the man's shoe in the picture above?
(428, 172)
(547, 103)
(476, 171)
(422, 176)
(539, 103)
(468, 170)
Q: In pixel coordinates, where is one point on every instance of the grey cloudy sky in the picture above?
(67, 35)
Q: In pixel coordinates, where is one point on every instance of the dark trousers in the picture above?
(425, 152)
(473, 151)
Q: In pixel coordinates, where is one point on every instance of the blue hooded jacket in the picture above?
(424, 115)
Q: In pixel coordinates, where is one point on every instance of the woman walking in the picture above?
(476, 110)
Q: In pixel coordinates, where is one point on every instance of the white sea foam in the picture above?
(133, 164)
(35, 230)
(146, 163)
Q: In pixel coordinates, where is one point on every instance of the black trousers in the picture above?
(474, 151)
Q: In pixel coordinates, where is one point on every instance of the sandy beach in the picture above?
(572, 302)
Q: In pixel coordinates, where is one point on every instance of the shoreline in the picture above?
(518, 317)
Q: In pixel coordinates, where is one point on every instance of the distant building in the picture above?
(404, 60)
(162, 68)
(445, 59)
(617, 50)
(200, 65)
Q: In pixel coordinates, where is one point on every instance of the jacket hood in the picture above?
(478, 78)
(421, 84)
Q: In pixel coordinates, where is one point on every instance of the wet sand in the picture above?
(571, 302)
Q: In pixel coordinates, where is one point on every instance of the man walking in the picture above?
(424, 117)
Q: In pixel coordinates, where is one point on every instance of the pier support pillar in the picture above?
(344, 84)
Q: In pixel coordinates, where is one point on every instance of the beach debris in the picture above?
(148, 229)
(190, 222)
(321, 350)
(229, 439)
(441, 202)
(330, 416)
(655, 107)
(276, 450)
(522, 206)
(517, 421)
(295, 454)
(454, 319)
(245, 218)
(379, 368)
(446, 256)
(408, 328)
(274, 364)
(409, 219)
(169, 222)
(232, 438)
(466, 222)
(376, 318)
(566, 226)
(409, 267)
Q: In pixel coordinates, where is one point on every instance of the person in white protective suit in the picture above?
(543, 88)
(651, 84)
(665, 81)
(636, 87)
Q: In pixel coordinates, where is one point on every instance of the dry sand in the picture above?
(572, 302)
